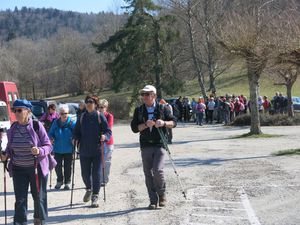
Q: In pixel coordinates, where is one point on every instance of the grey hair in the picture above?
(64, 107)
(103, 102)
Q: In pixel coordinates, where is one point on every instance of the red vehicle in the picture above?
(9, 93)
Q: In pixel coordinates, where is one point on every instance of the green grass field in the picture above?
(234, 81)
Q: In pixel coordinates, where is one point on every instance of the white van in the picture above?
(4, 123)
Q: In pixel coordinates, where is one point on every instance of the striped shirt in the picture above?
(21, 146)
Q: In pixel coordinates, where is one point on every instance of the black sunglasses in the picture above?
(63, 114)
(90, 101)
(18, 110)
(145, 94)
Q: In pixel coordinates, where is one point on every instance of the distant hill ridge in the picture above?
(36, 23)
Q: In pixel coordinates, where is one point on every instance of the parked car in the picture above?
(296, 104)
(39, 107)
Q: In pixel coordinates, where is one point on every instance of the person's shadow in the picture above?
(63, 218)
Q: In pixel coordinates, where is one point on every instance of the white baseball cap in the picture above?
(148, 88)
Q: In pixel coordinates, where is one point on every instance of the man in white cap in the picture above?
(147, 118)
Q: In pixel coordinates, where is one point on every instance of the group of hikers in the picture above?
(32, 144)
(223, 109)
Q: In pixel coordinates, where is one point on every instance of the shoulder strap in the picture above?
(161, 109)
(141, 114)
(99, 119)
(36, 126)
(81, 117)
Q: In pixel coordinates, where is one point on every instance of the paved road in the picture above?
(228, 181)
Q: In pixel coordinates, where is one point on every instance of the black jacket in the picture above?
(140, 116)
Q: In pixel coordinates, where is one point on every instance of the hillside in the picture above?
(44, 22)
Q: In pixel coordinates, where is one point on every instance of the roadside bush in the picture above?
(268, 120)
(120, 108)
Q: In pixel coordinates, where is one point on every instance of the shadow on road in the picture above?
(189, 162)
(131, 145)
(63, 218)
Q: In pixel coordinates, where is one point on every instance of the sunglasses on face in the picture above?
(18, 110)
(145, 94)
(62, 114)
(89, 101)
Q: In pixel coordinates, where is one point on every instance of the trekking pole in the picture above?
(172, 162)
(73, 172)
(103, 169)
(4, 180)
(37, 182)
(50, 184)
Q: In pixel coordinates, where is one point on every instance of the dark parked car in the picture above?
(296, 104)
(39, 107)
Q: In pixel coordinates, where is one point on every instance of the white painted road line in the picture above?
(219, 201)
(219, 216)
(218, 208)
(250, 212)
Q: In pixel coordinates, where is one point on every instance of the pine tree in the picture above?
(140, 47)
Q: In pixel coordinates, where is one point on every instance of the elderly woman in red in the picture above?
(28, 148)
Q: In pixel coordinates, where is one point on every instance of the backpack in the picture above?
(81, 117)
(36, 128)
(158, 113)
(99, 120)
(63, 126)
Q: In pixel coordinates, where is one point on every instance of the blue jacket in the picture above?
(88, 131)
(61, 133)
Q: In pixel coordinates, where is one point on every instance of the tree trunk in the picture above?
(33, 91)
(197, 65)
(158, 67)
(289, 97)
(253, 78)
(210, 49)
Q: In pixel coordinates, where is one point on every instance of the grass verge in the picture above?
(287, 152)
(249, 135)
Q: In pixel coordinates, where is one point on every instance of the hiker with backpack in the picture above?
(109, 145)
(90, 130)
(147, 119)
(61, 136)
(48, 117)
(28, 150)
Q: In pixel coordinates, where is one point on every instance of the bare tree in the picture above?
(286, 74)
(286, 63)
(248, 32)
(9, 65)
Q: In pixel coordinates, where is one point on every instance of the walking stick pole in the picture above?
(103, 169)
(73, 172)
(37, 182)
(5, 202)
(50, 184)
(172, 162)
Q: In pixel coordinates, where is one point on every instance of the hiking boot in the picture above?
(87, 196)
(152, 206)
(58, 185)
(38, 221)
(67, 186)
(162, 200)
(94, 201)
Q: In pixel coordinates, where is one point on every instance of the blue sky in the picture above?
(94, 6)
